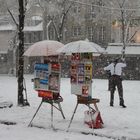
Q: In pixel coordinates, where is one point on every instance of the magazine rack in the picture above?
(47, 84)
(81, 82)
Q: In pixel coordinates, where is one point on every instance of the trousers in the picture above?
(116, 81)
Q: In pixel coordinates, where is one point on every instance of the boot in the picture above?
(111, 99)
(124, 106)
(111, 103)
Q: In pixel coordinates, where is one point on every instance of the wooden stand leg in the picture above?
(35, 113)
(72, 117)
(52, 115)
(95, 105)
(91, 118)
(60, 108)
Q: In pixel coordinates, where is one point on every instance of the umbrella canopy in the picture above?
(44, 48)
(81, 46)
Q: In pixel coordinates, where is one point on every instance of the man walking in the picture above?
(116, 80)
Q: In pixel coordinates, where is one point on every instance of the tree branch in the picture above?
(12, 17)
(56, 31)
(41, 5)
(133, 36)
(64, 14)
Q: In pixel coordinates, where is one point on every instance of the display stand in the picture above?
(81, 82)
(47, 84)
(87, 102)
(51, 102)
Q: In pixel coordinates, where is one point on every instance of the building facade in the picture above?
(85, 19)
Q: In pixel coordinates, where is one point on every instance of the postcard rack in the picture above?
(47, 84)
(81, 82)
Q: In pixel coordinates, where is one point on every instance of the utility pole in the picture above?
(20, 53)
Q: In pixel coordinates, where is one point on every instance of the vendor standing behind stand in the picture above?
(116, 80)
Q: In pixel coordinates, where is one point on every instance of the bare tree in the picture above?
(55, 13)
(20, 48)
(125, 11)
(20, 52)
(122, 7)
(22, 9)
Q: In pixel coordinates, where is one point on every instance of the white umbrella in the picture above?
(44, 48)
(81, 46)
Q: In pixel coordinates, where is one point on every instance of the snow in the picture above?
(38, 27)
(36, 18)
(119, 123)
(43, 48)
(8, 27)
(116, 48)
(82, 46)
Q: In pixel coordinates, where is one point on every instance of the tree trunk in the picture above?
(123, 33)
(20, 53)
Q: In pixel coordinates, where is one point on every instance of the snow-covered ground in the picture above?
(119, 123)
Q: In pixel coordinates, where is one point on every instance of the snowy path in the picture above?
(118, 122)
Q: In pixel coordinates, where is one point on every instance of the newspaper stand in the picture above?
(47, 84)
(81, 82)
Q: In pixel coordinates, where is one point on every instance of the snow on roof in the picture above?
(133, 49)
(36, 18)
(3, 52)
(7, 27)
(39, 27)
(120, 44)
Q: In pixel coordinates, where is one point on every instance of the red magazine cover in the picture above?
(85, 90)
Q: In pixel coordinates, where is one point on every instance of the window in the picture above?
(27, 37)
(51, 33)
(102, 33)
(91, 31)
(92, 7)
(76, 9)
(76, 31)
(91, 11)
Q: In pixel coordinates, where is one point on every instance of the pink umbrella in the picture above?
(44, 48)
